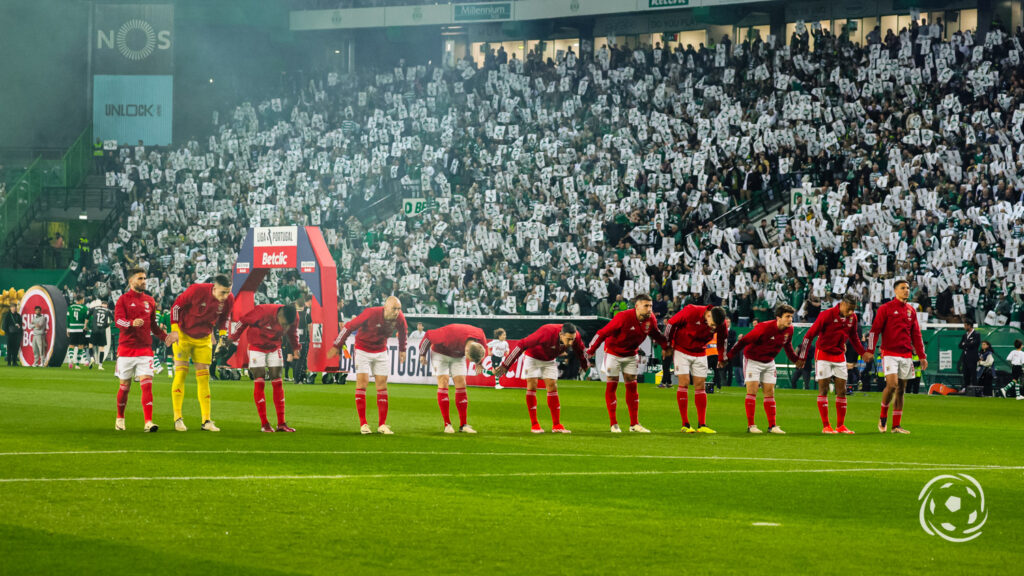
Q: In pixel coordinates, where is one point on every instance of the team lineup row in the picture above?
(205, 308)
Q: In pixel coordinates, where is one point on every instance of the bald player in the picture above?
(372, 329)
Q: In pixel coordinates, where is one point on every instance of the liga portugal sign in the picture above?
(55, 308)
(275, 247)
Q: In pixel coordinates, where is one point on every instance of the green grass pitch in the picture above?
(76, 497)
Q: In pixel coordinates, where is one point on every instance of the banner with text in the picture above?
(133, 39)
(132, 108)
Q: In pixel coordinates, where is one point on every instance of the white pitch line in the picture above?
(479, 475)
(496, 454)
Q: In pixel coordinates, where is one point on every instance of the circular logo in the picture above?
(54, 342)
(417, 14)
(953, 507)
(574, 6)
(136, 39)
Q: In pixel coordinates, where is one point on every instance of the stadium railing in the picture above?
(15, 212)
(78, 159)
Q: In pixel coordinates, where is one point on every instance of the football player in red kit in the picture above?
(896, 322)
(763, 344)
(541, 349)
(264, 326)
(449, 347)
(833, 328)
(135, 316)
(373, 328)
(622, 338)
(689, 332)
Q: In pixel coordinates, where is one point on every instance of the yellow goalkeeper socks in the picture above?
(178, 389)
(203, 389)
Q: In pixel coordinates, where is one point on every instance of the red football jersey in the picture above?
(896, 323)
(136, 340)
(372, 331)
(451, 340)
(197, 313)
(545, 344)
(263, 331)
(690, 333)
(624, 334)
(764, 342)
(832, 331)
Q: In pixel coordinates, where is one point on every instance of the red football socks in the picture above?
(361, 406)
(382, 407)
(823, 409)
(146, 384)
(749, 404)
(769, 410)
(555, 407)
(259, 395)
(122, 397)
(633, 403)
(611, 400)
(885, 412)
(531, 405)
(462, 405)
(278, 386)
(701, 400)
(840, 411)
(683, 399)
(897, 416)
(443, 404)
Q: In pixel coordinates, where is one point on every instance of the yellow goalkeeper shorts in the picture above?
(199, 350)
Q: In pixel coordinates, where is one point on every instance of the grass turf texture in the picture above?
(327, 500)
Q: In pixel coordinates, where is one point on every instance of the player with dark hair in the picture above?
(197, 314)
(896, 323)
(100, 319)
(449, 347)
(263, 327)
(763, 344)
(541, 350)
(135, 317)
(78, 314)
(689, 332)
(373, 328)
(622, 338)
(832, 329)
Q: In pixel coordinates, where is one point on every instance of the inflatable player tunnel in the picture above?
(297, 247)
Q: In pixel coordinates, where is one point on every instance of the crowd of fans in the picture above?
(568, 185)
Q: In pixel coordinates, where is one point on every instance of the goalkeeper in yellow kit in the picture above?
(196, 315)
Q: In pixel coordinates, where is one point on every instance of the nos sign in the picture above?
(133, 39)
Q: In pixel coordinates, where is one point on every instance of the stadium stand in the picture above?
(548, 186)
